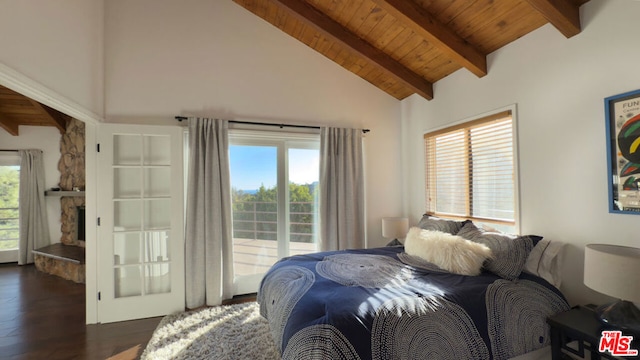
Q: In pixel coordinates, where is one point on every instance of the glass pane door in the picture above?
(274, 193)
(304, 174)
(140, 248)
(142, 219)
(9, 215)
(254, 181)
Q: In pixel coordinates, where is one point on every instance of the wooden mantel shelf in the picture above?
(63, 193)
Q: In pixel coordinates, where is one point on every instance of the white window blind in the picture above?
(470, 171)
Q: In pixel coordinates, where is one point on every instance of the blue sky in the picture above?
(252, 166)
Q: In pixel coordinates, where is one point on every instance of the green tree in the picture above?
(301, 207)
(255, 215)
(300, 193)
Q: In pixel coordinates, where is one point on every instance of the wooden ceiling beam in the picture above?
(61, 119)
(53, 117)
(310, 16)
(563, 14)
(427, 26)
(9, 126)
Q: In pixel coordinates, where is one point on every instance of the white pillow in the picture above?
(449, 252)
(545, 260)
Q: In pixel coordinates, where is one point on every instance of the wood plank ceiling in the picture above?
(404, 46)
(17, 109)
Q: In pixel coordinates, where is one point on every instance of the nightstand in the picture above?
(578, 324)
(394, 242)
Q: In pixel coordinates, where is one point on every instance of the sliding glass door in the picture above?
(274, 192)
(9, 191)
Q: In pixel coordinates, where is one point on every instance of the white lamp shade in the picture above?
(395, 228)
(613, 270)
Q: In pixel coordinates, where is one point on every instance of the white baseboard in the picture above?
(7, 256)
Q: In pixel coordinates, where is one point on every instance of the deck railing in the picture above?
(259, 220)
(9, 228)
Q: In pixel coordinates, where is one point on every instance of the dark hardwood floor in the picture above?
(43, 317)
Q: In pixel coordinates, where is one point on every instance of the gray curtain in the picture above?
(341, 189)
(208, 233)
(34, 228)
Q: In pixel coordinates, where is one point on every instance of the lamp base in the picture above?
(621, 314)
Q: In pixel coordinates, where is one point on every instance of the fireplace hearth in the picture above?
(66, 258)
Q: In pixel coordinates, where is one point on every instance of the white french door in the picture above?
(140, 234)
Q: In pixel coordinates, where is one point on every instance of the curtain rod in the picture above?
(181, 118)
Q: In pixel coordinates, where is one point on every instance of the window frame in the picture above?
(282, 141)
(467, 124)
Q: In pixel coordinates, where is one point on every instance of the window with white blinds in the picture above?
(470, 171)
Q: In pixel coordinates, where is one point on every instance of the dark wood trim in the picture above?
(60, 120)
(562, 14)
(438, 34)
(9, 126)
(329, 27)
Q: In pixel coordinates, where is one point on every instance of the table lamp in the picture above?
(615, 271)
(394, 228)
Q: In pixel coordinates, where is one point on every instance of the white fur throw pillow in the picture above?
(449, 252)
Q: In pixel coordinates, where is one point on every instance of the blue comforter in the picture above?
(385, 304)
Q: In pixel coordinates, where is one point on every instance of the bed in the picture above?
(387, 303)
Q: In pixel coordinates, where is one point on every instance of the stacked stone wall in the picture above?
(62, 268)
(72, 177)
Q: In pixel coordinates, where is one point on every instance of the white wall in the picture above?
(46, 139)
(559, 86)
(216, 59)
(58, 44)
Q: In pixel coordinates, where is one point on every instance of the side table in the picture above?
(582, 325)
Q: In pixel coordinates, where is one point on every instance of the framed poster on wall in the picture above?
(622, 114)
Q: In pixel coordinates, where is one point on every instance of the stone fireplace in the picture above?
(69, 220)
(72, 178)
(66, 259)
